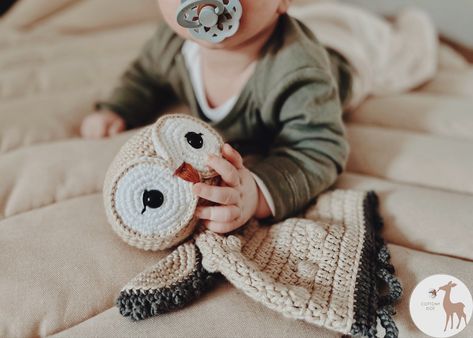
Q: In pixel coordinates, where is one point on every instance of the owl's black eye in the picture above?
(195, 140)
(152, 199)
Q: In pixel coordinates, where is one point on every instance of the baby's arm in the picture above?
(135, 101)
(310, 149)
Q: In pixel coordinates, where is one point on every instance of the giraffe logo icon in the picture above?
(452, 308)
(441, 306)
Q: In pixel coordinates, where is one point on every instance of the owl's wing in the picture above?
(179, 138)
(172, 283)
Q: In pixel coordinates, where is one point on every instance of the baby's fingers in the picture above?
(233, 156)
(222, 214)
(93, 128)
(221, 195)
(222, 227)
(116, 127)
(225, 169)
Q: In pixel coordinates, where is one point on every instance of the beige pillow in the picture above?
(26, 13)
(93, 15)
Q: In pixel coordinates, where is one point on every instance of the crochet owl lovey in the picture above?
(326, 267)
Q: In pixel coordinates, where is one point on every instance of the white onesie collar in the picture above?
(191, 52)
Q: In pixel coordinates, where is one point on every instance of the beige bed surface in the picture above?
(61, 264)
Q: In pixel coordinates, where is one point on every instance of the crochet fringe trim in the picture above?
(139, 304)
(377, 288)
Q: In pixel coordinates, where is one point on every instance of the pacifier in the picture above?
(210, 20)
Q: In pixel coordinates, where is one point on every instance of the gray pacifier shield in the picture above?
(210, 20)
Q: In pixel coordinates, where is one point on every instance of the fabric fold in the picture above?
(387, 57)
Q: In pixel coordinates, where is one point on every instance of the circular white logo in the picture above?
(441, 306)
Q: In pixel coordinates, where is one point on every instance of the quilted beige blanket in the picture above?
(61, 265)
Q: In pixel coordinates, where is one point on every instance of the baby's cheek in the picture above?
(257, 15)
(168, 10)
(261, 10)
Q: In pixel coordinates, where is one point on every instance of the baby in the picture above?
(263, 81)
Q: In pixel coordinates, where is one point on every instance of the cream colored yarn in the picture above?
(171, 270)
(305, 268)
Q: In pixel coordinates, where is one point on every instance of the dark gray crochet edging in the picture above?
(142, 304)
(377, 288)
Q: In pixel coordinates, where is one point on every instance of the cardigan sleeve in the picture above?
(143, 88)
(309, 150)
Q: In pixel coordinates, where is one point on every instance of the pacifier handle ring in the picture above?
(184, 7)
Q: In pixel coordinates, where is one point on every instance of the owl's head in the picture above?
(148, 188)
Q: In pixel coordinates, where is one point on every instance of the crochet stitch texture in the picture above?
(327, 266)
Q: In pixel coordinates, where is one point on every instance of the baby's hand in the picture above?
(238, 195)
(101, 124)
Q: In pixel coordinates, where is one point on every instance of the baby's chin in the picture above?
(233, 42)
(226, 44)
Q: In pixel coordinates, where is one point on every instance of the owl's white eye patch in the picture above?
(150, 200)
(181, 138)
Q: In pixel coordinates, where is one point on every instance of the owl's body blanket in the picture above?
(326, 267)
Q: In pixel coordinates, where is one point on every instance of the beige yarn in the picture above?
(171, 270)
(304, 268)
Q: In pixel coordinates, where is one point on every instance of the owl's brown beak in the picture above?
(187, 173)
